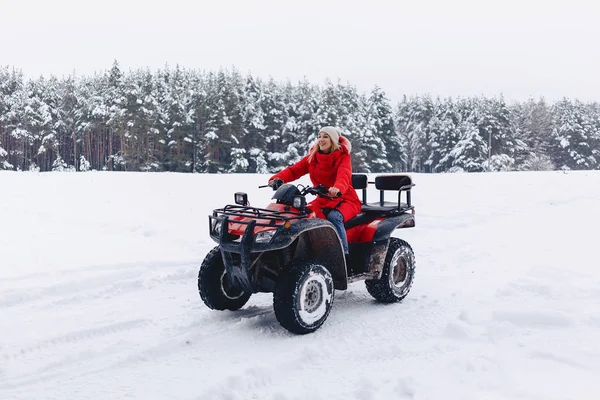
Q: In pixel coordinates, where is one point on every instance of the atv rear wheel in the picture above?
(398, 273)
(214, 287)
(303, 297)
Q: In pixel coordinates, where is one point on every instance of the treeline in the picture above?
(183, 120)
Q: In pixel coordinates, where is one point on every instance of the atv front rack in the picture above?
(240, 250)
(252, 217)
(273, 216)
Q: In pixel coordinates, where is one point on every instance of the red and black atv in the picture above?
(284, 249)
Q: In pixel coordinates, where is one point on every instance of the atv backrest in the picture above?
(394, 182)
(360, 182)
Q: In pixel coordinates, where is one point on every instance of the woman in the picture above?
(328, 163)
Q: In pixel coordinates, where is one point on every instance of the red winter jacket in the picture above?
(332, 170)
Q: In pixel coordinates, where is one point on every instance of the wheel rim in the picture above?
(313, 299)
(229, 291)
(400, 271)
(313, 296)
(400, 275)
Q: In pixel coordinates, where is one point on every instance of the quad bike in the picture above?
(286, 250)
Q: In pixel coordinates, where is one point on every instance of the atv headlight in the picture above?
(264, 236)
(241, 198)
(299, 202)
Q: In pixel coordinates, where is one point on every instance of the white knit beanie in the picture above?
(334, 133)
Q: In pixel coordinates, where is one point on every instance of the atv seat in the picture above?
(382, 209)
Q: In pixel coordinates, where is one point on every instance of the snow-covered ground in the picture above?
(98, 296)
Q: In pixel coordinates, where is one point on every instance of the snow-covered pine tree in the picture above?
(352, 122)
(239, 161)
(371, 153)
(113, 97)
(253, 122)
(277, 136)
(422, 115)
(307, 98)
(13, 103)
(573, 137)
(292, 136)
(383, 119)
(3, 107)
(39, 121)
(231, 132)
(470, 152)
(408, 131)
(534, 126)
(210, 115)
(66, 110)
(498, 127)
(84, 164)
(59, 165)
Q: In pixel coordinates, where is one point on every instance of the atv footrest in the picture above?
(359, 220)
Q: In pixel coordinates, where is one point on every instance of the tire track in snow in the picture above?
(70, 352)
(73, 272)
(75, 352)
(202, 331)
(190, 338)
(37, 294)
(173, 338)
(104, 286)
(77, 336)
(127, 286)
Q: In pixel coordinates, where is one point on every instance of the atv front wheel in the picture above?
(398, 273)
(303, 297)
(214, 287)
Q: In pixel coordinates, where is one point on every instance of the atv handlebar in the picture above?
(275, 184)
(320, 190)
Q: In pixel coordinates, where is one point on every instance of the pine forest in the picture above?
(222, 121)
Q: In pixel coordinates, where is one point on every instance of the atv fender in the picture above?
(388, 225)
(316, 239)
(323, 244)
(381, 240)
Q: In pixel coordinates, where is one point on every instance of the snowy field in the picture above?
(98, 296)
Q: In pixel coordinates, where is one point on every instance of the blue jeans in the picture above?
(337, 219)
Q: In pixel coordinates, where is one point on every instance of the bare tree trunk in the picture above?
(110, 147)
(123, 145)
(22, 154)
(94, 140)
(100, 147)
(75, 151)
(89, 148)
(148, 148)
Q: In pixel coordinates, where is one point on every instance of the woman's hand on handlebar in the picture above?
(334, 192)
(276, 183)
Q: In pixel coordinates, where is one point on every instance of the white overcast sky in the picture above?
(520, 49)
